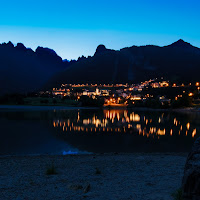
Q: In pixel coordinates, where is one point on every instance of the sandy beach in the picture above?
(105, 176)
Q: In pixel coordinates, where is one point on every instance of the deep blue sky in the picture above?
(75, 27)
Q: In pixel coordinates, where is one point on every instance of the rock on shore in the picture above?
(191, 179)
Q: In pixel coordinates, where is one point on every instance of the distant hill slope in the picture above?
(179, 61)
(23, 70)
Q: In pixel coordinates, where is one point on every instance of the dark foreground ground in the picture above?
(106, 177)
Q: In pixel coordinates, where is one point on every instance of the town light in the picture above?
(190, 94)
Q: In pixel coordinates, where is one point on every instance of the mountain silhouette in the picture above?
(181, 43)
(24, 70)
(179, 62)
(102, 49)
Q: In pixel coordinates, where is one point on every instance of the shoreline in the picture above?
(32, 107)
(121, 176)
(75, 154)
(188, 109)
(38, 108)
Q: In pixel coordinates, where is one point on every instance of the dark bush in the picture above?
(89, 101)
(184, 101)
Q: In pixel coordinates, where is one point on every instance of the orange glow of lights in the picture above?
(174, 121)
(194, 132)
(190, 94)
(131, 117)
(161, 132)
(188, 126)
(125, 114)
(136, 118)
(118, 117)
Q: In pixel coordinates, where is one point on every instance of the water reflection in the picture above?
(97, 131)
(146, 124)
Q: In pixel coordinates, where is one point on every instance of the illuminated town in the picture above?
(163, 91)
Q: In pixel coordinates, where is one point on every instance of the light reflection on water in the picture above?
(155, 125)
(97, 131)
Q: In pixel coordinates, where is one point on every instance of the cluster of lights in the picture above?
(129, 123)
(124, 91)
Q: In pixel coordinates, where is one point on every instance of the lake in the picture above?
(96, 131)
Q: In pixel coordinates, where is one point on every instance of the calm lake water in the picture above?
(101, 131)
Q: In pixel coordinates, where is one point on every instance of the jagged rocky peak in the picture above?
(181, 43)
(9, 44)
(101, 49)
(45, 51)
(48, 55)
(21, 47)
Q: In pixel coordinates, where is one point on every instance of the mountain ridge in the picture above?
(179, 61)
(24, 70)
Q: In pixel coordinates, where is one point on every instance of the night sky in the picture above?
(75, 28)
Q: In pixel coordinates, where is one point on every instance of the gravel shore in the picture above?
(106, 177)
